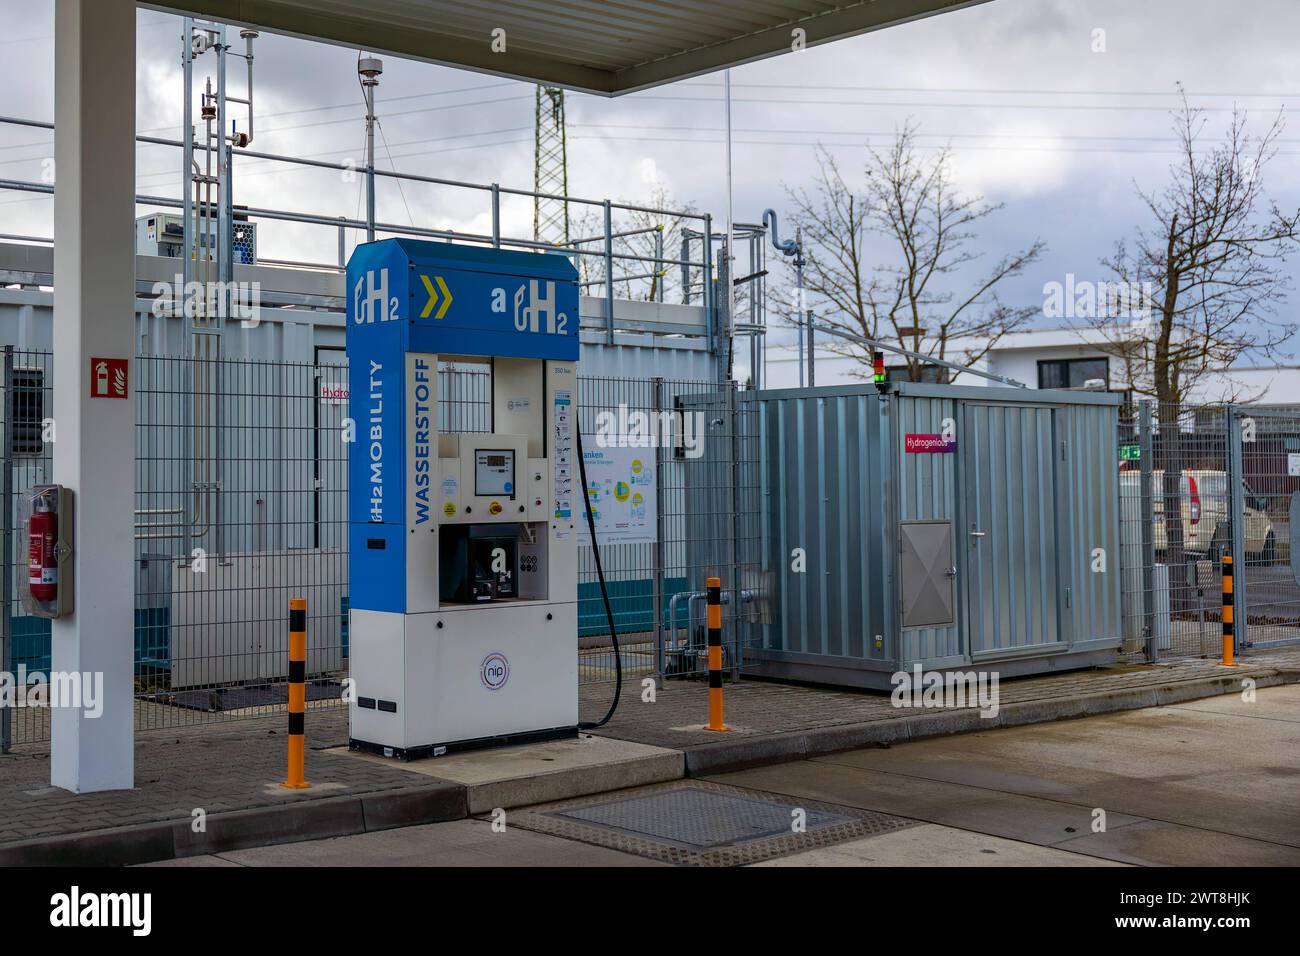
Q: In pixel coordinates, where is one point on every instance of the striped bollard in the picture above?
(297, 693)
(1229, 638)
(713, 587)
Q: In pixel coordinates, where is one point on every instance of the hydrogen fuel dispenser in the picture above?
(462, 549)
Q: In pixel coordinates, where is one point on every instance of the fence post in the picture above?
(496, 216)
(297, 693)
(660, 662)
(714, 589)
(708, 291)
(1237, 513)
(1227, 616)
(1146, 464)
(7, 560)
(609, 273)
(733, 550)
(659, 265)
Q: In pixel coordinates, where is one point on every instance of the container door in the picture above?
(1009, 538)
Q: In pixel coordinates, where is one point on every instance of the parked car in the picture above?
(1206, 525)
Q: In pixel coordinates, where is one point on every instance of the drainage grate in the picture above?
(704, 824)
(696, 819)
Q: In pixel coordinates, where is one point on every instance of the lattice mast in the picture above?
(550, 168)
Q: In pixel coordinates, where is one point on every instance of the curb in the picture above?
(741, 754)
(578, 782)
(295, 822)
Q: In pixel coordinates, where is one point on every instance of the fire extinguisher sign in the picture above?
(108, 377)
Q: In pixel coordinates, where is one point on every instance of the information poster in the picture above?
(621, 489)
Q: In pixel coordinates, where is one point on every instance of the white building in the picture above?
(1041, 358)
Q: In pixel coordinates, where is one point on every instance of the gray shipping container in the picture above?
(945, 526)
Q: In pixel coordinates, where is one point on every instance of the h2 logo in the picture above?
(539, 314)
(370, 299)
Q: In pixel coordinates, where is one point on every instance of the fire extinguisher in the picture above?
(42, 563)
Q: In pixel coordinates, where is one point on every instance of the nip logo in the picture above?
(494, 671)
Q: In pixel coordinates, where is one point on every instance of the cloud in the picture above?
(1036, 119)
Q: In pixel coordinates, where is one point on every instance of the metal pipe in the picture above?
(623, 278)
(249, 36)
(414, 177)
(221, 265)
(657, 586)
(369, 69)
(7, 564)
(496, 216)
(252, 212)
(618, 235)
(187, 154)
(1147, 465)
(657, 289)
(710, 312)
(731, 225)
(609, 275)
(686, 269)
(691, 598)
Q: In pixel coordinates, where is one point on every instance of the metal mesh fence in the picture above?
(241, 503)
(678, 447)
(1270, 585)
(1176, 523)
(1198, 482)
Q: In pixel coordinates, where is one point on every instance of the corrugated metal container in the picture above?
(944, 526)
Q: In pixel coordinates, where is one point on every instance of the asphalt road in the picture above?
(1209, 782)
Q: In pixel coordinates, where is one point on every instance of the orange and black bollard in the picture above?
(297, 693)
(713, 587)
(1229, 638)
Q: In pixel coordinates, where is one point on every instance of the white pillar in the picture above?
(94, 316)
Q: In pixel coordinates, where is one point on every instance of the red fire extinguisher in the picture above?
(42, 564)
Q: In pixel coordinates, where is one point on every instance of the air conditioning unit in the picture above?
(162, 234)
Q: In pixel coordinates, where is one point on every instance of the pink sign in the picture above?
(916, 444)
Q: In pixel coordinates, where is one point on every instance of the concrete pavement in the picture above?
(1208, 782)
(1205, 783)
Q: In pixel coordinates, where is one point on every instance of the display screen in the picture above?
(494, 472)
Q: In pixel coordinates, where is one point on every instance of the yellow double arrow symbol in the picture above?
(433, 297)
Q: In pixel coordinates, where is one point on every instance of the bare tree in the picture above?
(929, 295)
(1209, 263)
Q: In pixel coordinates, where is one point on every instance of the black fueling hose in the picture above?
(604, 591)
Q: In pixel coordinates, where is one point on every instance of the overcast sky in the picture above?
(1036, 119)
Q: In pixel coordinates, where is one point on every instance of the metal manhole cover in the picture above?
(698, 823)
